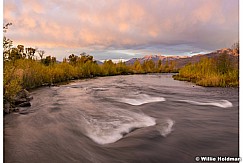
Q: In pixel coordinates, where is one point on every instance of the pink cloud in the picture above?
(34, 6)
(121, 23)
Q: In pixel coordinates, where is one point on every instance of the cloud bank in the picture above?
(111, 25)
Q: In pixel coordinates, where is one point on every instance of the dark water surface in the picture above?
(124, 119)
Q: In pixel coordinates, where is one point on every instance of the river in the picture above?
(124, 119)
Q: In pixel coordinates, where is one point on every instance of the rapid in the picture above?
(124, 119)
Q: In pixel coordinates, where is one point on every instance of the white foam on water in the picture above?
(140, 99)
(218, 103)
(166, 127)
(115, 125)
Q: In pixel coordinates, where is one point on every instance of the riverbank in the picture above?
(212, 72)
(208, 81)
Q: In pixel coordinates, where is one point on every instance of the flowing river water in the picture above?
(124, 119)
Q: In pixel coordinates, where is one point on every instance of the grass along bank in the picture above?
(222, 71)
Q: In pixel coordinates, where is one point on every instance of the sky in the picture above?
(122, 29)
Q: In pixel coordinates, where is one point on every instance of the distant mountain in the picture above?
(183, 60)
(155, 58)
(196, 58)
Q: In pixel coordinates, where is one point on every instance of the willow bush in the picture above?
(216, 72)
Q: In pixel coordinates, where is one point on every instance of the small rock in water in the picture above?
(23, 98)
(23, 110)
(29, 98)
(22, 94)
(6, 110)
(25, 104)
(16, 109)
(19, 101)
(7, 107)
